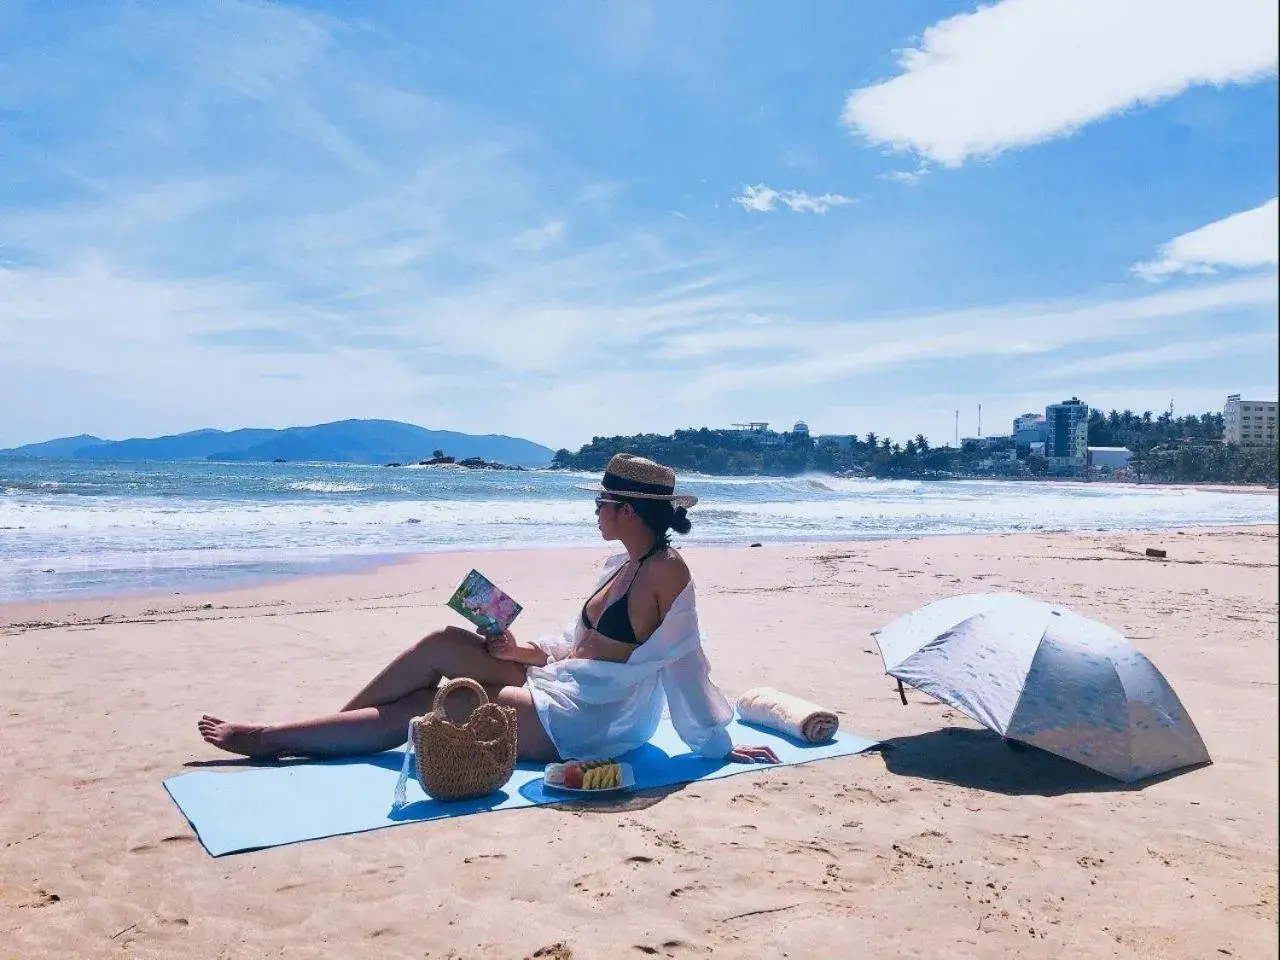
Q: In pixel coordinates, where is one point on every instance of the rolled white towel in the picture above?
(793, 716)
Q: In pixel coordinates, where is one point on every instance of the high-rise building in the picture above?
(1066, 442)
(1249, 423)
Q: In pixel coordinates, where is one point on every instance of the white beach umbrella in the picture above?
(1040, 674)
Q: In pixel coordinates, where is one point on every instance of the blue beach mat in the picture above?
(267, 806)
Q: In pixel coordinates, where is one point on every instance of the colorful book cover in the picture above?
(483, 603)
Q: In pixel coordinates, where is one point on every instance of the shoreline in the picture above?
(343, 565)
(500, 557)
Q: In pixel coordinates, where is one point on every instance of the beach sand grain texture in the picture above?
(947, 844)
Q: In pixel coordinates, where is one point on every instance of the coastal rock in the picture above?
(470, 463)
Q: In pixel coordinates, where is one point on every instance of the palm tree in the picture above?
(922, 444)
(871, 440)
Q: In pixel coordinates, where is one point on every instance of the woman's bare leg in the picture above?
(366, 730)
(451, 652)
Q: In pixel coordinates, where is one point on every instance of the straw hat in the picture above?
(631, 476)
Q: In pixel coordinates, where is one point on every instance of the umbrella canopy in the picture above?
(1042, 675)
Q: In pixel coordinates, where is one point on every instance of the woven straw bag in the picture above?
(461, 761)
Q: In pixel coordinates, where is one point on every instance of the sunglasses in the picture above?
(601, 502)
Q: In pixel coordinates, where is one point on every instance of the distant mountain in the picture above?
(61, 448)
(196, 445)
(346, 441)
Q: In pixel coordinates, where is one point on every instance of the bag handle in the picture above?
(458, 683)
(402, 782)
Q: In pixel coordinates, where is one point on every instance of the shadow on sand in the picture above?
(982, 760)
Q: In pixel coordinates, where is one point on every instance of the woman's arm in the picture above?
(699, 711)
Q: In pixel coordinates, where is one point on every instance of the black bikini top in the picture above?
(615, 622)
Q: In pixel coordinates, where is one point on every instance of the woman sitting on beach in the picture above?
(596, 690)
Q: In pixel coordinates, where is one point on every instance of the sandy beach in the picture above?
(946, 844)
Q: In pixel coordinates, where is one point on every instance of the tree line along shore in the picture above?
(1166, 449)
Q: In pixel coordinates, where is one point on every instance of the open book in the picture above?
(483, 603)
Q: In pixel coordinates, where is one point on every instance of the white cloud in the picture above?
(1247, 239)
(759, 198)
(812, 353)
(909, 177)
(1024, 71)
(1164, 355)
(539, 238)
(763, 199)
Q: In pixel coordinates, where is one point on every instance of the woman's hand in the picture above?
(751, 755)
(504, 646)
(501, 646)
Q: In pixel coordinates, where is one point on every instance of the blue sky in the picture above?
(566, 219)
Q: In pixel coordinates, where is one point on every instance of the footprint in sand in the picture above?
(42, 899)
(683, 891)
(181, 838)
(864, 793)
(926, 851)
(670, 948)
(556, 951)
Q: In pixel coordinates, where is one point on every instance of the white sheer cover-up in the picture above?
(595, 709)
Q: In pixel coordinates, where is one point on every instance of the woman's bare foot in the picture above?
(233, 737)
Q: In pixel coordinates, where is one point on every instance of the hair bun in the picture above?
(680, 520)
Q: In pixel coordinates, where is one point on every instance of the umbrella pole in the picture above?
(902, 694)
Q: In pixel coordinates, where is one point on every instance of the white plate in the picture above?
(628, 783)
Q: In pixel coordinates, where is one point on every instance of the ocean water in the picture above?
(77, 527)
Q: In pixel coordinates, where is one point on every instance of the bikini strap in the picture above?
(639, 563)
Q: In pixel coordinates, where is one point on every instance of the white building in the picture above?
(759, 431)
(1029, 428)
(1066, 441)
(1117, 458)
(1249, 423)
